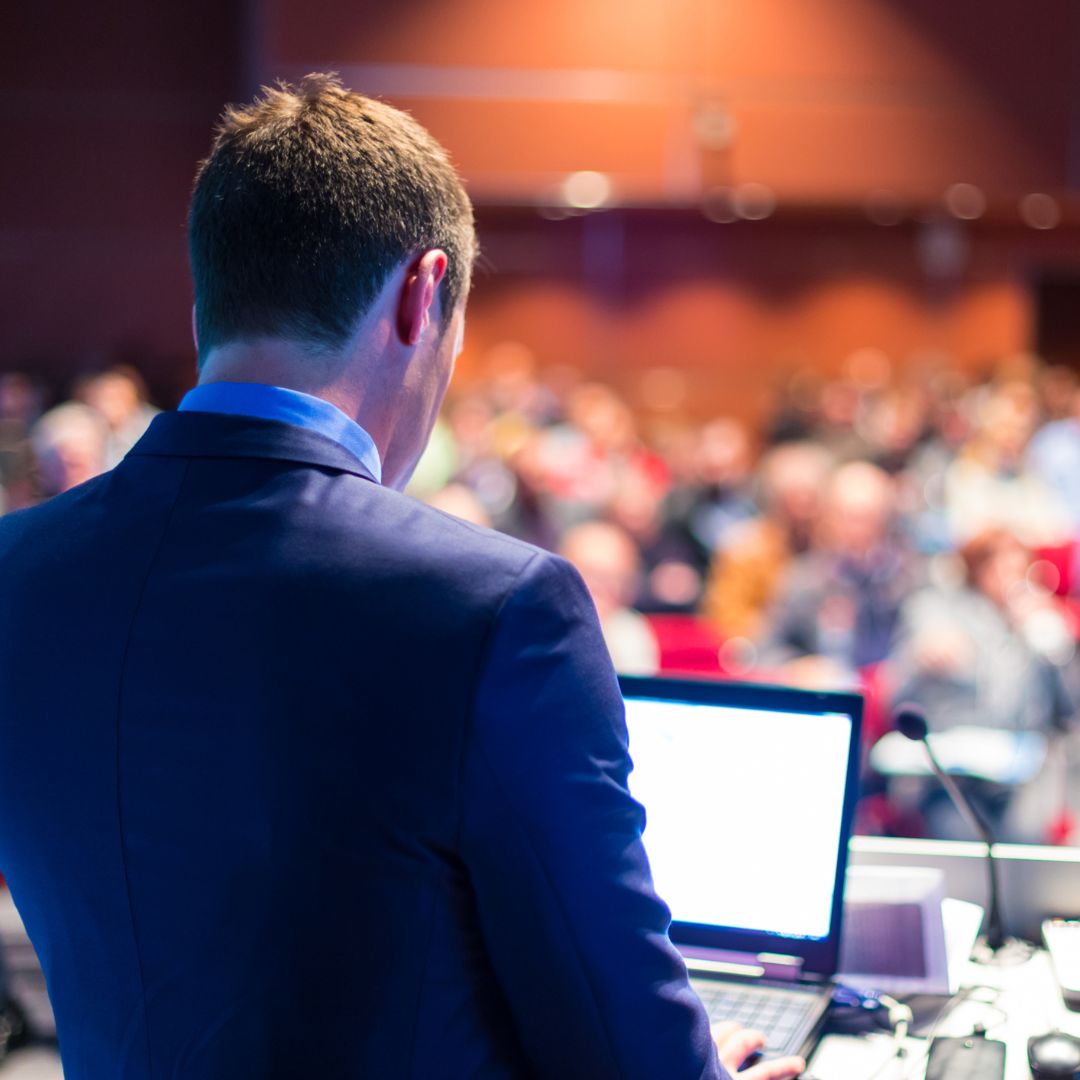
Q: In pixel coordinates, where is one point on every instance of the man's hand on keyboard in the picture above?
(735, 1044)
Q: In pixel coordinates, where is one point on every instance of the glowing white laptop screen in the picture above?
(744, 811)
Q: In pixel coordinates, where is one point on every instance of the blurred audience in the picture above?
(119, 397)
(841, 599)
(992, 483)
(670, 580)
(70, 445)
(608, 561)
(987, 650)
(911, 531)
(988, 646)
(708, 505)
(1054, 456)
(748, 568)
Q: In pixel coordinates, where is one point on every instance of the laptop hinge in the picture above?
(747, 965)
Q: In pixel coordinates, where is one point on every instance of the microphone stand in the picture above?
(996, 948)
(995, 930)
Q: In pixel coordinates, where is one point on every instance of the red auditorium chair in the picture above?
(689, 645)
(1062, 557)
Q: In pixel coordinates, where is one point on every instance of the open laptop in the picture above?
(749, 793)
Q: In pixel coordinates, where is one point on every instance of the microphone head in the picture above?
(910, 720)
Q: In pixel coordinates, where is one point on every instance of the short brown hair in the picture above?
(310, 197)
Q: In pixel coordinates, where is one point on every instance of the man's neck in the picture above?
(282, 363)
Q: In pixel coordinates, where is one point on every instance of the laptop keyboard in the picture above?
(783, 1015)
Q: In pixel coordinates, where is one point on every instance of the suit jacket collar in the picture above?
(217, 435)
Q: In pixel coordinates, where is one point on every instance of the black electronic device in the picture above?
(1055, 1056)
(910, 720)
(971, 1057)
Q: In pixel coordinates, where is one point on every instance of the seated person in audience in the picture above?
(607, 559)
(922, 482)
(119, 396)
(840, 602)
(991, 482)
(795, 409)
(990, 650)
(1057, 387)
(517, 471)
(897, 422)
(838, 430)
(717, 498)
(669, 580)
(746, 573)
(1054, 457)
(69, 445)
(592, 456)
(524, 501)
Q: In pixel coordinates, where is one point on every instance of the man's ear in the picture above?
(418, 294)
(195, 329)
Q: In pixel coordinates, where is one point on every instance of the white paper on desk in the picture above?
(962, 920)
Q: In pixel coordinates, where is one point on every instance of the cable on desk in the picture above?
(899, 1018)
(967, 994)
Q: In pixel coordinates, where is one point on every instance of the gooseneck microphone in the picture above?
(910, 720)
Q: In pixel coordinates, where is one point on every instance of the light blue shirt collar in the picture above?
(266, 402)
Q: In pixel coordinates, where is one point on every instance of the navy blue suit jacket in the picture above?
(301, 778)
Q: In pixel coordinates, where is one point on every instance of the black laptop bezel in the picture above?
(819, 956)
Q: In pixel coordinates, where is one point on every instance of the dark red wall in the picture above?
(104, 111)
(737, 307)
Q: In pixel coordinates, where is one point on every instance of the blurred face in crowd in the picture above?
(898, 420)
(115, 396)
(1058, 389)
(723, 455)
(470, 419)
(858, 509)
(69, 444)
(528, 461)
(840, 404)
(598, 411)
(608, 562)
(997, 565)
(636, 506)
(18, 398)
(1008, 421)
(948, 416)
(511, 377)
(793, 477)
